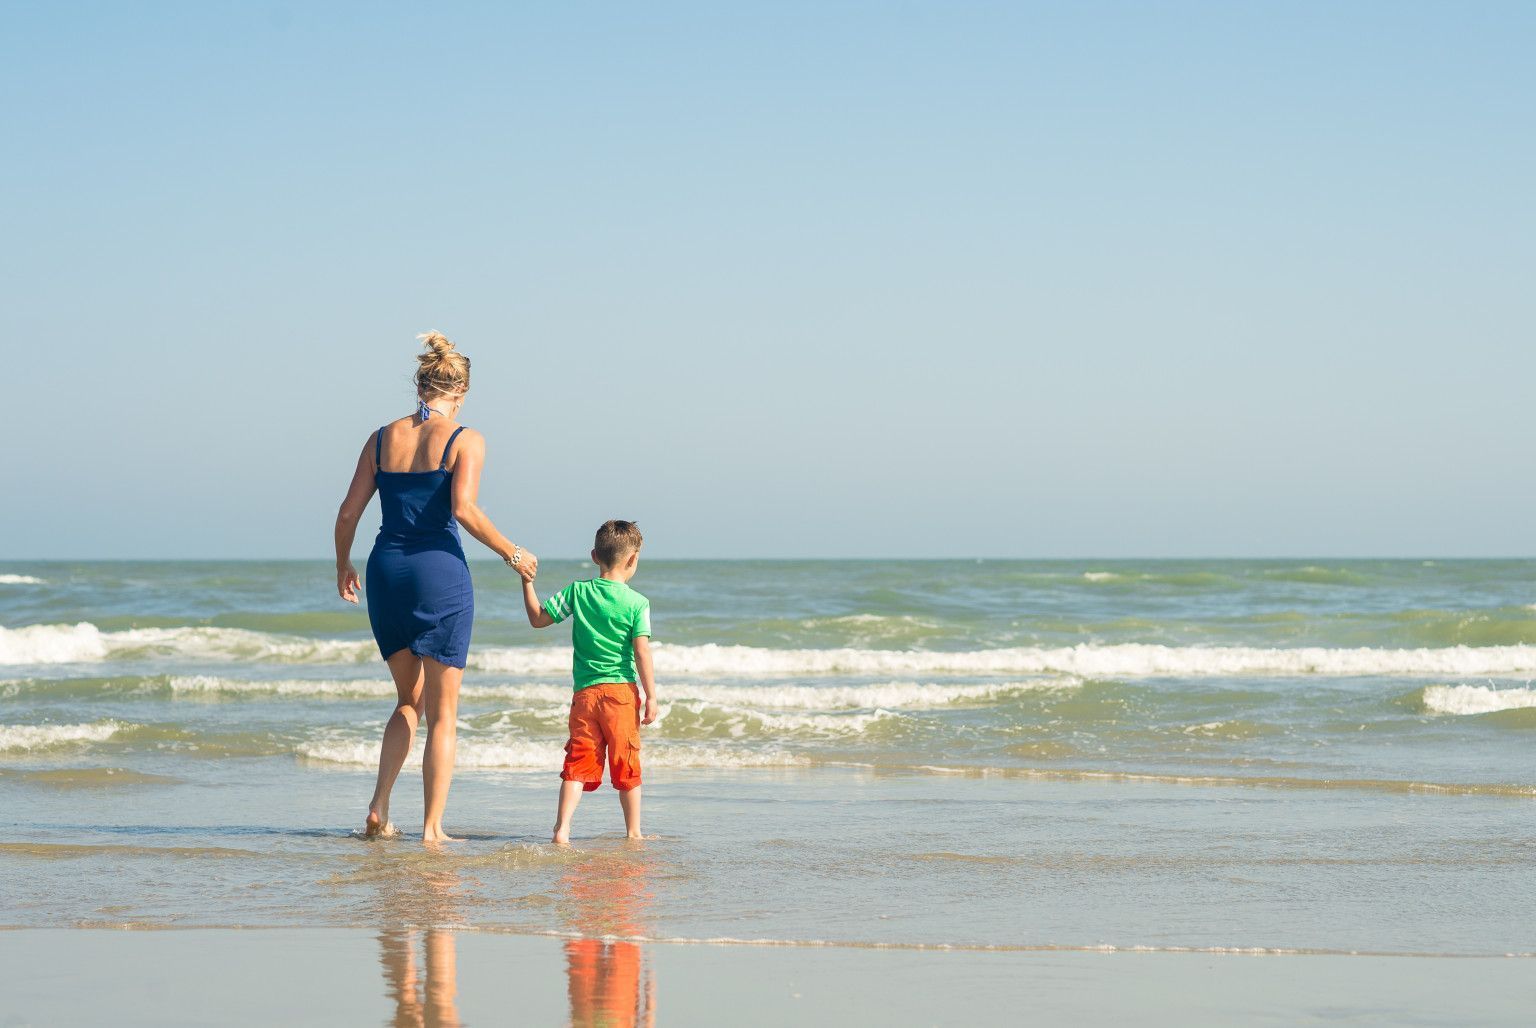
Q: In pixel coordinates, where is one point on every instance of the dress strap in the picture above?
(443, 464)
(378, 451)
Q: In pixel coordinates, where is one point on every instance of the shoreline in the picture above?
(1021, 949)
(1102, 869)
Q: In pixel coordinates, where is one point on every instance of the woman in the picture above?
(421, 603)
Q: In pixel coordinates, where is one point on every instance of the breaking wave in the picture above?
(1474, 699)
(894, 695)
(85, 643)
(31, 738)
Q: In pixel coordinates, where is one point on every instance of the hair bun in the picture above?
(439, 344)
(442, 370)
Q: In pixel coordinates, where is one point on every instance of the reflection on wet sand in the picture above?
(609, 984)
(421, 1001)
(601, 896)
(431, 897)
(609, 981)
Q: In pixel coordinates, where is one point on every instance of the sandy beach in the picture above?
(325, 977)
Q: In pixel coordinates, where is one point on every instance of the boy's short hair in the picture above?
(615, 541)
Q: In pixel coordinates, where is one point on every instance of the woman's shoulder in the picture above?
(391, 424)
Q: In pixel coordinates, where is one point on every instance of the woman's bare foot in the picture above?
(561, 838)
(377, 826)
(436, 835)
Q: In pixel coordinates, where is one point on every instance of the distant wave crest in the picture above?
(85, 643)
(30, 738)
(1475, 699)
(880, 695)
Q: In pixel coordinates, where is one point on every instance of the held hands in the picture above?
(527, 565)
(347, 582)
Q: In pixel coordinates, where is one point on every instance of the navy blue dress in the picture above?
(420, 597)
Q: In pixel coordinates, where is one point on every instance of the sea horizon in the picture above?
(473, 558)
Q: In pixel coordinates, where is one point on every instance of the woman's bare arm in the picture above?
(358, 494)
(470, 458)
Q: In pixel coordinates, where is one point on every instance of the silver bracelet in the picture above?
(516, 558)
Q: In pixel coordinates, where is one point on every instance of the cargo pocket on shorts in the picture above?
(629, 764)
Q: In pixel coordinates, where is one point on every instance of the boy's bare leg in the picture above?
(629, 800)
(570, 795)
(399, 735)
(441, 697)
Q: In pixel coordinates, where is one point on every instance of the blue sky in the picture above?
(819, 279)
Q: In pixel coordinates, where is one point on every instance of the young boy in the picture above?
(611, 637)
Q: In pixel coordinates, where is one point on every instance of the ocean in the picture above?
(1268, 757)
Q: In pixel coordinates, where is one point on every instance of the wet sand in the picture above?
(349, 976)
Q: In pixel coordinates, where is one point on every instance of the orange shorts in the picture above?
(605, 725)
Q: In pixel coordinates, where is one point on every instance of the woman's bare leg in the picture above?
(441, 697)
(399, 960)
(442, 990)
(399, 734)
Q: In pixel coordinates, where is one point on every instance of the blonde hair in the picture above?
(443, 371)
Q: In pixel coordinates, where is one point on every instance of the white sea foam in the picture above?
(218, 685)
(237, 644)
(887, 695)
(1090, 661)
(214, 685)
(27, 738)
(891, 695)
(84, 643)
(1475, 699)
(52, 644)
(20, 580)
(741, 723)
(547, 754)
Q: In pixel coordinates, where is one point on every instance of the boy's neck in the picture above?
(615, 574)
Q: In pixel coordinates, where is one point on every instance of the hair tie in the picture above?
(425, 411)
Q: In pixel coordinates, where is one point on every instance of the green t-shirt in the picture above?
(606, 617)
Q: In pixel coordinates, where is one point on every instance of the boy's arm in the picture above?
(647, 675)
(538, 617)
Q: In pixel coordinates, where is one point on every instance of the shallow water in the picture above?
(1271, 756)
